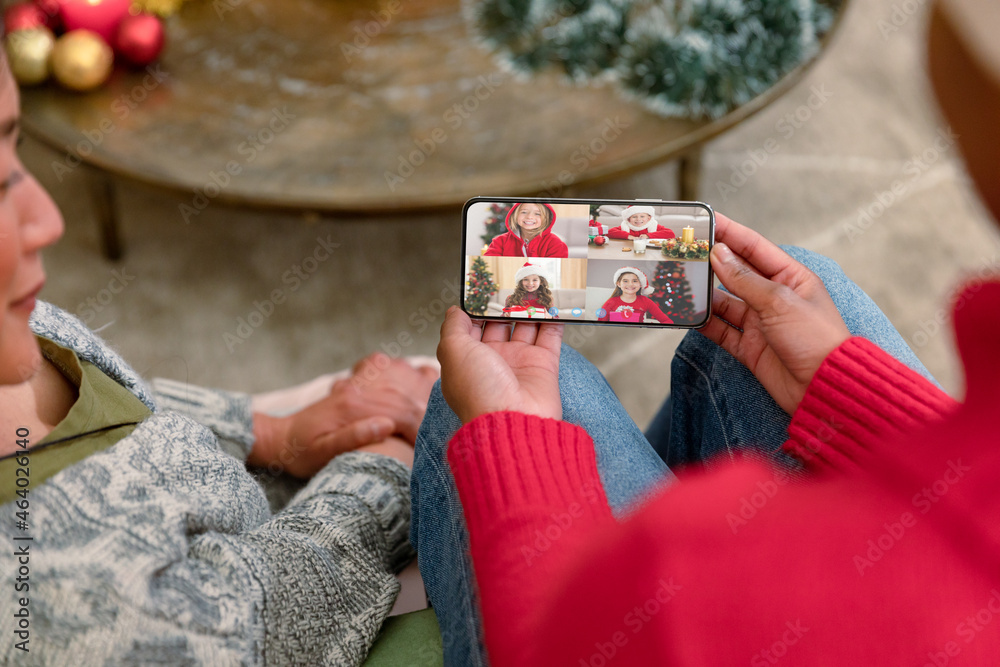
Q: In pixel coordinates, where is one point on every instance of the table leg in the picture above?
(103, 192)
(689, 175)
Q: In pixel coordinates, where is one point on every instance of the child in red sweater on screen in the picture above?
(638, 222)
(532, 289)
(627, 304)
(529, 234)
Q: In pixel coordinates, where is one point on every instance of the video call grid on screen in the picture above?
(579, 278)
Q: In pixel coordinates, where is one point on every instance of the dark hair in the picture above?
(520, 295)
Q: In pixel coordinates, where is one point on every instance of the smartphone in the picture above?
(639, 262)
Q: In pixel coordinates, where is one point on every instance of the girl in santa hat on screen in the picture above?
(629, 303)
(532, 289)
(529, 234)
(638, 222)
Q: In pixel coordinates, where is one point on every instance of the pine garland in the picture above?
(687, 58)
(676, 249)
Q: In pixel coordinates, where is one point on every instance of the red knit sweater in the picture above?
(888, 555)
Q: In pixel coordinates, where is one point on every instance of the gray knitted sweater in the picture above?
(162, 549)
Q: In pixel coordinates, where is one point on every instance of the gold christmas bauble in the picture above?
(28, 54)
(81, 60)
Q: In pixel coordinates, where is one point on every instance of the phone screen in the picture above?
(623, 262)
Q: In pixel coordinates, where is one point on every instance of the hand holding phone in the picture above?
(787, 322)
(495, 367)
(622, 262)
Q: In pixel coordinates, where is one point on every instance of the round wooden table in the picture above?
(350, 106)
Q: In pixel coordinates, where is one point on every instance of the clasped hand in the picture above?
(777, 319)
(383, 397)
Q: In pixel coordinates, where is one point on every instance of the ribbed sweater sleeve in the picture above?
(530, 491)
(860, 398)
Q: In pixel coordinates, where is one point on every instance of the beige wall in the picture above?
(573, 271)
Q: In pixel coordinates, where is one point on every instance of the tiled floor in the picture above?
(857, 132)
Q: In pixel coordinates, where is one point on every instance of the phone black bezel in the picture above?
(575, 200)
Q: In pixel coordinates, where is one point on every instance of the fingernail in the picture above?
(722, 251)
(376, 429)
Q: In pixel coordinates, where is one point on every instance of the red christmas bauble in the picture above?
(22, 16)
(599, 240)
(100, 16)
(50, 8)
(140, 39)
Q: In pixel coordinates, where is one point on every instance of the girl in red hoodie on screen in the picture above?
(529, 234)
(627, 304)
(532, 288)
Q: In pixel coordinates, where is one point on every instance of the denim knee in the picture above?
(571, 361)
(439, 425)
(821, 265)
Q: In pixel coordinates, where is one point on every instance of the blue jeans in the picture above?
(716, 407)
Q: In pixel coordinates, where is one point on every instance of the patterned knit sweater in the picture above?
(162, 549)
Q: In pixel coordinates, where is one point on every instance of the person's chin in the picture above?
(20, 356)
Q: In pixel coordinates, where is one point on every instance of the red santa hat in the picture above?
(629, 211)
(643, 280)
(530, 269)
